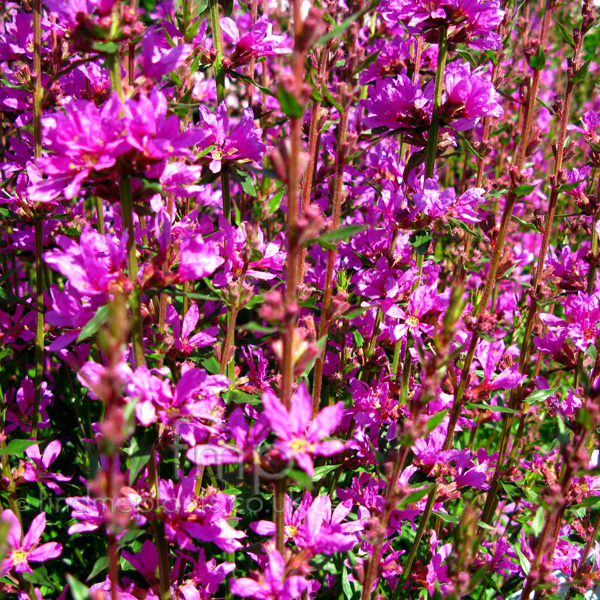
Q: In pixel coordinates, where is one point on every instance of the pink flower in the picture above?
(19, 553)
(259, 41)
(299, 436)
(38, 471)
(270, 584)
(240, 145)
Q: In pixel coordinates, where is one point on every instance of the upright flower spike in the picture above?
(299, 436)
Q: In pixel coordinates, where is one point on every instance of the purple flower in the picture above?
(189, 517)
(581, 322)
(84, 139)
(398, 105)
(489, 355)
(152, 133)
(315, 527)
(264, 262)
(18, 554)
(184, 341)
(424, 305)
(92, 266)
(299, 436)
(246, 440)
(38, 471)
(469, 97)
(159, 57)
(259, 41)
(243, 144)
(270, 584)
(199, 258)
(470, 22)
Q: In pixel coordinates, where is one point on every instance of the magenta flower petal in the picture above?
(45, 552)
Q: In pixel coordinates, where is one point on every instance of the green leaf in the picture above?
(100, 565)
(523, 560)
(414, 497)
(94, 324)
(496, 408)
(582, 73)
(322, 471)
(591, 501)
(346, 587)
(367, 62)
(288, 103)
(257, 327)
(538, 522)
(106, 47)
(541, 395)
(301, 477)
(328, 240)
(275, 202)
(211, 365)
(140, 451)
(206, 151)
(239, 397)
(565, 35)
(39, 577)
(359, 340)
(538, 60)
(337, 31)
(567, 187)
(355, 313)
(434, 421)
(79, 590)
(445, 517)
(17, 447)
(420, 241)
(247, 182)
(249, 81)
(524, 190)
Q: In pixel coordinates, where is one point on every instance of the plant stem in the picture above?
(434, 129)
(39, 222)
(158, 532)
(39, 336)
(338, 196)
(313, 151)
(100, 215)
(228, 344)
(218, 65)
(220, 81)
(533, 306)
(390, 503)
(293, 252)
(113, 64)
(137, 334)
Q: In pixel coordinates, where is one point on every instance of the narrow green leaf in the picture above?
(94, 324)
(79, 590)
(17, 447)
(328, 240)
(288, 103)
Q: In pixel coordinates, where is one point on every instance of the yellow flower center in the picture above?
(291, 531)
(300, 445)
(413, 322)
(19, 556)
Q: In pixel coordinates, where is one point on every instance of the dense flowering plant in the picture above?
(299, 300)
